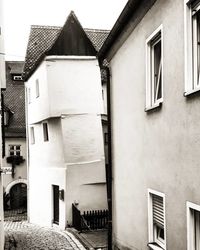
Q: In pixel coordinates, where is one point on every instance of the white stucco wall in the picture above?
(41, 195)
(73, 158)
(157, 150)
(74, 85)
(39, 106)
(20, 170)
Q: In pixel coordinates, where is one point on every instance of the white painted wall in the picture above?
(39, 106)
(74, 85)
(60, 75)
(73, 158)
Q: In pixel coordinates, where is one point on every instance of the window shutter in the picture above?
(158, 210)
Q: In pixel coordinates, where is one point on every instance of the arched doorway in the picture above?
(18, 196)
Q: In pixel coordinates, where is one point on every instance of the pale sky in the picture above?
(20, 14)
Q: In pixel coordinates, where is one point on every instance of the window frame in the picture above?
(191, 74)
(29, 94)
(45, 131)
(15, 150)
(150, 81)
(190, 224)
(152, 232)
(37, 88)
(32, 135)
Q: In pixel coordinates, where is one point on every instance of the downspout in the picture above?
(109, 165)
(2, 125)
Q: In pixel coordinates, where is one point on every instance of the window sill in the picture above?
(154, 106)
(154, 246)
(190, 92)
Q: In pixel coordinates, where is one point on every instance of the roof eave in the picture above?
(123, 20)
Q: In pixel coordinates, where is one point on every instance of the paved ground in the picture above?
(15, 215)
(21, 235)
(92, 239)
(24, 236)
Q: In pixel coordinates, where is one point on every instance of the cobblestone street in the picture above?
(22, 235)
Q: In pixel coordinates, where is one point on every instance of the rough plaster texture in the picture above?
(157, 150)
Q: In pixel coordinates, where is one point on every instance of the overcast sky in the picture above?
(20, 14)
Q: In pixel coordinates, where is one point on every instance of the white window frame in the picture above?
(14, 150)
(17, 78)
(150, 98)
(37, 88)
(192, 85)
(190, 225)
(32, 135)
(151, 229)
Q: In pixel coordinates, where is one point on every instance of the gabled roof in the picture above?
(14, 101)
(51, 40)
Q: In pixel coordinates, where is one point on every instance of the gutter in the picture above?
(132, 14)
(118, 27)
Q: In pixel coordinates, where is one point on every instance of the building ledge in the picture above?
(191, 92)
(154, 246)
(154, 106)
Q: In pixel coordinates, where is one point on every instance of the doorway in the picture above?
(55, 204)
(18, 196)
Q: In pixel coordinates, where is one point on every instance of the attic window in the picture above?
(17, 78)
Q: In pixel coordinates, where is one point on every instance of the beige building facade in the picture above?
(155, 125)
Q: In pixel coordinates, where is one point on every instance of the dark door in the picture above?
(18, 196)
(55, 204)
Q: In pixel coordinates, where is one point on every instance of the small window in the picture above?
(37, 88)
(192, 62)
(193, 226)
(106, 138)
(154, 82)
(45, 131)
(156, 220)
(14, 150)
(29, 95)
(32, 135)
(17, 78)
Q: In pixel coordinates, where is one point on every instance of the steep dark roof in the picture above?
(40, 40)
(43, 38)
(14, 101)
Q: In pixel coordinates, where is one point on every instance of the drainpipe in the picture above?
(2, 125)
(109, 165)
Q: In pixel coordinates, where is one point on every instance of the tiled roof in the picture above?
(97, 37)
(42, 38)
(17, 68)
(14, 100)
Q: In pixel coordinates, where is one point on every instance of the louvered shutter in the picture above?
(158, 210)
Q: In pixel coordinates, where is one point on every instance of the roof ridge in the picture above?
(96, 30)
(45, 27)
